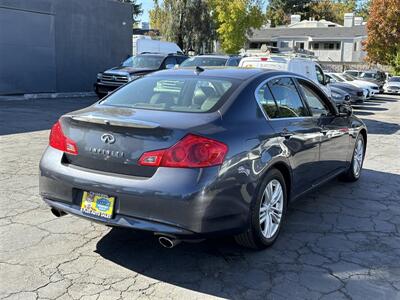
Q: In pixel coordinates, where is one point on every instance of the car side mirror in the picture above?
(169, 66)
(327, 80)
(345, 110)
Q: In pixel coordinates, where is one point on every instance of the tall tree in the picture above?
(383, 26)
(136, 9)
(234, 20)
(185, 22)
(278, 11)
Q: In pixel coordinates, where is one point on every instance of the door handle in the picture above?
(324, 131)
(286, 134)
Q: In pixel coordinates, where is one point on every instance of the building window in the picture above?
(300, 45)
(329, 46)
(355, 46)
(274, 44)
(254, 45)
(284, 44)
(316, 46)
(337, 46)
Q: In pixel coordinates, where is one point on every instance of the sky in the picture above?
(146, 6)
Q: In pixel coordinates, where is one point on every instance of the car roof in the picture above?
(159, 54)
(214, 56)
(223, 72)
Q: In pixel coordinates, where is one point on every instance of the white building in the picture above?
(329, 41)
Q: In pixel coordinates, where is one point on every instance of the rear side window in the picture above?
(287, 99)
(188, 94)
(267, 102)
(315, 103)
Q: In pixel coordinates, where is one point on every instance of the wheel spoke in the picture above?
(277, 195)
(275, 217)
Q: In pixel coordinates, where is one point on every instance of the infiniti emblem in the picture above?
(108, 138)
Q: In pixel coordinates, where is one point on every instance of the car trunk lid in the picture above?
(112, 139)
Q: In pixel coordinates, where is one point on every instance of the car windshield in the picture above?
(394, 79)
(337, 78)
(143, 62)
(347, 77)
(185, 94)
(368, 75)
(204, 62)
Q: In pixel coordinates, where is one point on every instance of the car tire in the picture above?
(257, 236)
(354, 171)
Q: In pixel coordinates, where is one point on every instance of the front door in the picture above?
(334, 148)
(298, 132)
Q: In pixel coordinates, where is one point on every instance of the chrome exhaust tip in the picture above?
(58, 213)
(168, 242)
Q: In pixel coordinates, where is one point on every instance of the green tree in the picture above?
(136, 9)
(279, 11)
(185, 22)
(383, 26)
(234, 20)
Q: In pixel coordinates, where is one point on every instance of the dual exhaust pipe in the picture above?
(165, 241)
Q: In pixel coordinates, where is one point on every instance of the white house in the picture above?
(329, 41)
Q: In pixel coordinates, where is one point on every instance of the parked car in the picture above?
(134, 67)
(357, 95)
(189, 155)
(371, 87)
(299, 65)
(392, 86)
(339, 96)
(377, 77)
(212, 61)
(354, 73)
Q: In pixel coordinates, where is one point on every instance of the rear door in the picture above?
(297, 129)
(335, 140)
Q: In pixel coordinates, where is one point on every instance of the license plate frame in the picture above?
(97, 204)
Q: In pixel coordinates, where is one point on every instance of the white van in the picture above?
(300, 65)
(143, 44)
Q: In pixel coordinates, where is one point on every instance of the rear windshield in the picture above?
(204, 62)
(394, 79)
(185, 94)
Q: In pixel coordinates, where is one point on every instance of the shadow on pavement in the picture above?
(313, 238)
(33, 115)
(380, 127)
(363, 113)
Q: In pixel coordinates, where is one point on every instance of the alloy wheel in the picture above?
(358, 157)
(271, 208)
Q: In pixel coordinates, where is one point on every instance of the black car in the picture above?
(193, 153)
(133, 67)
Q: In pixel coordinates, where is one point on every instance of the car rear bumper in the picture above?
(103, 89)
(392, 91)
(181, 202)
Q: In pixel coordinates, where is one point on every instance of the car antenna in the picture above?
(198, 70)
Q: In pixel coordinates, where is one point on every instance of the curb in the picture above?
(47, 96)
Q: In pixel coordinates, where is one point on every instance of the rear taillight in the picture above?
(59, 141)
(264, 58)
(191, 152)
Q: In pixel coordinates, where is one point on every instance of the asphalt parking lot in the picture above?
(340, 242)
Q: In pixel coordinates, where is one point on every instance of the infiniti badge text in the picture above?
(105, 152)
